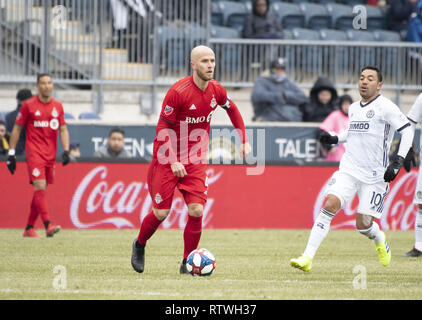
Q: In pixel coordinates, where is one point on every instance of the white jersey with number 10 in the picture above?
(369, 136)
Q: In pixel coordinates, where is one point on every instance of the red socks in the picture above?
(192, 234)
(38, 207)
(148, 227)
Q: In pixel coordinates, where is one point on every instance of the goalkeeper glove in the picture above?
(65, 158)
(410, 160)
(11, 161)
(326, 138)
(393, 168)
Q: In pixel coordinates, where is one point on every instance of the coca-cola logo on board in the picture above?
(399, 211)
(99, 201)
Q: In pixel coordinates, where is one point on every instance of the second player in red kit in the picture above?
(180, 151)
(42, 116)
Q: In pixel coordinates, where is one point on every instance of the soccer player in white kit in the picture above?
(415, 116)
(364, 167)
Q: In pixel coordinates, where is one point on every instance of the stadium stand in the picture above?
(68, 116)
(290, 14)
(89, 116)
(316, 16)
(234, 13)
(341, 15)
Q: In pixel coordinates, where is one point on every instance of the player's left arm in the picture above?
(399, 122)
(65, 141)
(237, 121)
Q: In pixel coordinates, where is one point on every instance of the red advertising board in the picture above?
(115, 195)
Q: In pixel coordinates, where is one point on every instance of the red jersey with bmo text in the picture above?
(42, 122)
(187, 110)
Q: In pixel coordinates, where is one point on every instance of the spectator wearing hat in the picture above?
(74, 151)
(323, 99)
(21, 96)
(275, 97)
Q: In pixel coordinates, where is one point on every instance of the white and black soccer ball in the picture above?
(201, 262)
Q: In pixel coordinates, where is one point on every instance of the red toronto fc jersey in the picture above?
(42, 122)
(188, 110)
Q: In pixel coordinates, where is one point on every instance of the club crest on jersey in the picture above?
(36, 172)
(370, 114)
(54, 124)
(168, 110)
(158, 198)
(213, 103)
(54, 113)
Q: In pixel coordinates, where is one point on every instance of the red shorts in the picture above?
(162, 184)
(40, 170)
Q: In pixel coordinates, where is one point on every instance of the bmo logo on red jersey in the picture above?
(53, 124)
(199, 119)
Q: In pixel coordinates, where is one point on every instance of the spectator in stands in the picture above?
(336, 122)
(399, 14)
(262, 23)
(323, 98)
(275, 97)
(4, 139)
(114, 147)
(21, 96)
(74, 151)
(414, 31)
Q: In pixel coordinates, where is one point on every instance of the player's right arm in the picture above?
(166, 154)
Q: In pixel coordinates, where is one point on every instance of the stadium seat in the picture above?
(362, 55)
(351, 2)
(287, 34)
(376, 19)
(195, 35)
(224, 32)
(234, 14)
(172, 47)
(360, 35)
(332, 35)
(305, 34)
(308, 57)
(229, 55)
(3, 114)
(341, 15)
(68, 116)
(384, 35)
(316, 16)
(216, 15)
(290, 14)
(89, 116)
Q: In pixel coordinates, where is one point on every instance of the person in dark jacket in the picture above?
(414, 31)
(262, 23)
(399, 14)
(21, 96)
(277, 98)
(323, 98)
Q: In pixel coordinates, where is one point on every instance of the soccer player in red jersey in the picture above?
(43, 119)
(180, 148)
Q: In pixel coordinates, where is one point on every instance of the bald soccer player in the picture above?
(180, 152)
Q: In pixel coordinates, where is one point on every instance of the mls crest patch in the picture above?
(168, 110)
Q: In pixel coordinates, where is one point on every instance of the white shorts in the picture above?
(417, 199)
(371, 196)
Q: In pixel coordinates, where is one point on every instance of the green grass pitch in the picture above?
(250, 264)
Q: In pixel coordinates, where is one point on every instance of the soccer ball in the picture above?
(200, 262)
